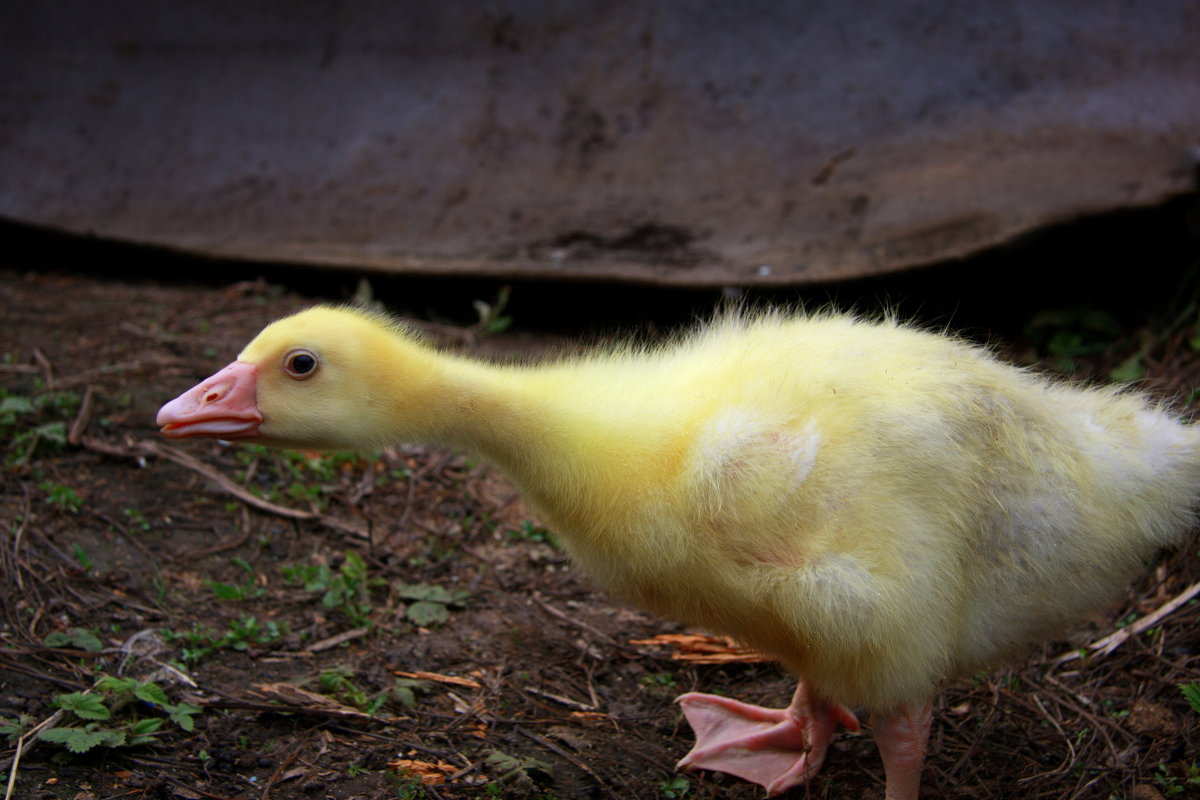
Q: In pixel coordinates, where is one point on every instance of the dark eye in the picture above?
(300, 364)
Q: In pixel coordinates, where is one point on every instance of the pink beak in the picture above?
(224, 406)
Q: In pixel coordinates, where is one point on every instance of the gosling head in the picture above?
(322, 379)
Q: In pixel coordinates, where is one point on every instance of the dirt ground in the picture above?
(206, 622)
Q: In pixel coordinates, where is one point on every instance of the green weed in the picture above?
(528, 532)
(491, 315)
(309, 478)
(521, 771)
(13, 729)
(1128, 619)
(430, 604)
(675, 787)
(347, 590)
(75, 639)
(1066, 335)
(1176, 781)
(35, 423)
(137, 519)
(242, 634)
(404, 691)
(409, 787)
(248, 589)
(117, 712)
(82, 557)
(61, 497)
(659, 681)
(337, 683)
(1191, 691)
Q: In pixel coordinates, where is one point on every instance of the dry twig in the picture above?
(1102, 647)
(25, 737)
(143, 448)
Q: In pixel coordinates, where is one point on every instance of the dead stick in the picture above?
(553, 748)
(287, 762)
(30, 734)
(81, 418)
(144, 448)
(225, 483)
(578, 623)
(334, 641)
(46, 367)
(1103, 647)
(16, 548)
(566, 701)
(228, 485)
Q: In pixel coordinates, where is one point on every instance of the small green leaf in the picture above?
(114, 685)
(53, 432)
(334, 680)
(84, 706)
(405, 690)
(151, 693)
(21, 405)
(425, 613)
(403, 694)
(336, 594)
(111, 738)
(145, 727)
(1192, 692)
(431, 602)
(77, 740)
(508, 767)
(182, 715)
(354, 568)
(76, 638)
(225, 591)
(1128, 371)
(430, 592)
(13, 728)
(319, 582)
(676, 787)
(81, 555)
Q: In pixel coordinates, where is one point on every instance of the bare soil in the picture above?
(199, 567)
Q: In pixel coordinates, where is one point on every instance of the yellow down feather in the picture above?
(879, 507)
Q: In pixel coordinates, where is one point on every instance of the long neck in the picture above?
(585, 455)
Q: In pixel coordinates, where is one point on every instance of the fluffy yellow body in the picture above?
(881, 508)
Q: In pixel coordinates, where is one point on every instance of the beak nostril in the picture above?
(223, 405)
(216, 392)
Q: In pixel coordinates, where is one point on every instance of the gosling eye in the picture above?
(300, 364)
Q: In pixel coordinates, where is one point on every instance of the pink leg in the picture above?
(777, 748)
(901, 740)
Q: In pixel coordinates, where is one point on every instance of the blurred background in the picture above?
(668, 143)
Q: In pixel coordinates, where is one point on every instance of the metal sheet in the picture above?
(672, 141)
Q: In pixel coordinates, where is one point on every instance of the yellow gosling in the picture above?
(878, 507)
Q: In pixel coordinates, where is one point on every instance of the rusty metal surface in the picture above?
(671, 141)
